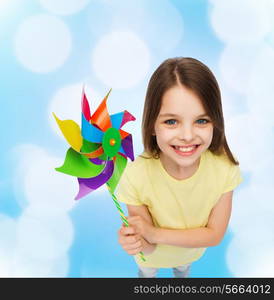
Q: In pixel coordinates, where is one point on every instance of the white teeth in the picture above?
(184, 149)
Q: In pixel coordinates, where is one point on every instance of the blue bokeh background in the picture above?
(27, 95)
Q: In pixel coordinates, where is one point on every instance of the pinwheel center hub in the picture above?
(111, 142)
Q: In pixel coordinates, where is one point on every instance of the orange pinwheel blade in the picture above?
(123, 134)
(101, 116)
(95, 153)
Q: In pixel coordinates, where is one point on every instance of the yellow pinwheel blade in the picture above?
(71, 132)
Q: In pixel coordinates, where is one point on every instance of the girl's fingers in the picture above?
(138, 247)
(130, 242)
(130, 239)
(127, 230)
(135, 251)
(133, 246)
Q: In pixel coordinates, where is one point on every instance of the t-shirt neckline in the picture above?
(186, 180)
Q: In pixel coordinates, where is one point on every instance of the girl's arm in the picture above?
(142, 211)
(132, 242)
(211, 235)
(129, 238)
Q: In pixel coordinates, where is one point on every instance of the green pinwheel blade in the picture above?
(79, 165)
(119, 167)
(88, 147)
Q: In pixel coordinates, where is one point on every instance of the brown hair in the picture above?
(196, 76)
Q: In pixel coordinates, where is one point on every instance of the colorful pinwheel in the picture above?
(99, 151)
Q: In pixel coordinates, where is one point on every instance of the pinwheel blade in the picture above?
(120, 119)
(116, 120)
(119, 166)
(123, 133)
(99, 150)
(127, 118)
(83, 191)
(97, 161)
(92, 150)
(87, 185)
(94, 154)
(90, 132)
(88, 146)
(127, 147)
(80, 166)
(101, 117)
(85, 106)
(71, 132)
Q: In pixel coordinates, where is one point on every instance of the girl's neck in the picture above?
(176, 171)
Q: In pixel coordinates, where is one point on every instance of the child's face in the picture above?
(182, 121)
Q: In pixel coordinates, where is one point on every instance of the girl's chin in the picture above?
(181, 162)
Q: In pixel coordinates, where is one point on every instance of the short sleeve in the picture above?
(126, 192)
(233, 178)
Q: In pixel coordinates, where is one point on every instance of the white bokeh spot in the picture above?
(66, 104)
(7, 244)
(52, 192)
(161, 26)
(36, 244)
(42, 43)
(261, 86)
(64, 7)
(236, 67)
(121, 60)
(44, 237)
(27, 266)
(239, 137)
(246, 65)
(240, 21)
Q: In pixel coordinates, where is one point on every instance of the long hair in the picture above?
(196, 76)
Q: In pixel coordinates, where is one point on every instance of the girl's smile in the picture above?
(185, 150)
(183, 131)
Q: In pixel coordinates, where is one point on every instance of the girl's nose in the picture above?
(186, 133)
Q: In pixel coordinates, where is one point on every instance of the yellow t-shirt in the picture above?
(177, 204)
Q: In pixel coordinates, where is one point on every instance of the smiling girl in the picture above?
(179, 190)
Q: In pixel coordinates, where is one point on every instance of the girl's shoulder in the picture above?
(223, 172)
(139, 165)
(219, 161)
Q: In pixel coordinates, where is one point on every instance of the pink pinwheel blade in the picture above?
(87, 185)
(85, 107)
(126, 118)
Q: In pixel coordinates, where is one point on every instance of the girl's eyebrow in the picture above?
(174, 115)
(168, 115)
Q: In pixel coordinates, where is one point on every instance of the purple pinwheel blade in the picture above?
(97, 161)
(83, 190)
(87, 185)
(127, 147)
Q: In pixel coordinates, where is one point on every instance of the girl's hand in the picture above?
(130, 241)
(144, 228)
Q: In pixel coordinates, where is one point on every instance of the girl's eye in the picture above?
(202, 121)
(170, 122)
